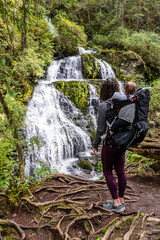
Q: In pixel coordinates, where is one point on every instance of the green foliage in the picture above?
(7, 164)
(70, 36)
(100, 40)
(90, 66)
(28, 65)
(44, 170)
(147, 45)
(41, 40)
(116, 38)
(99, 167)
(133, 157)
(77, 92)
(39, 142)
(154, 106)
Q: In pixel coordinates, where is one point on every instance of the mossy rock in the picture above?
(90, 67)
(85, 164)
(76, 91)
(124, 62)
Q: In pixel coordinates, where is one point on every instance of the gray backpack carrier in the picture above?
(139, 127)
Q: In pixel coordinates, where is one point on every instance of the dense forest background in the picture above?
(28, 44)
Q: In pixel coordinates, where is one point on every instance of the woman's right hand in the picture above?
(95, 151)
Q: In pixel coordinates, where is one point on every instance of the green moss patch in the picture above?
(77, 92)
(85, 164)
(90, 67)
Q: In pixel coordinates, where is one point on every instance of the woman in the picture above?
(112, 157)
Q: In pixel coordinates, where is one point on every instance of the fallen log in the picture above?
(148, 148)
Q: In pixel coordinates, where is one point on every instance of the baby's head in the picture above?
(130, 88)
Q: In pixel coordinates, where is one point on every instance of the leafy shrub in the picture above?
(146, 44)
(28, 65)
(100, 40)
(70, 36)
(116, 38)
(44, 170)
(154, 113)
(41, 40)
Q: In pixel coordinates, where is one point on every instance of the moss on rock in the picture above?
(90, 66)
(76, 91)
(85, 164)
(126, 63)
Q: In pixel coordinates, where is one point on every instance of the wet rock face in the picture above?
(126, 63)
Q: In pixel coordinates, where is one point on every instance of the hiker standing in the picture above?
(111, 156)
(118, 132)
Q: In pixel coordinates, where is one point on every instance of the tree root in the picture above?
(132, 188)
(76, 204)
(4, 195)
(80, 219)
(110, 229)
(39, 204)
(101, 229)
(132, 227)
(51, 186)
(154, 232)
(15, 226)
(1, 238)
(132, 194)
(144, 218)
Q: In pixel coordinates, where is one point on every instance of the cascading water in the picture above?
(93, 105)
(105, 69)
(53, 118)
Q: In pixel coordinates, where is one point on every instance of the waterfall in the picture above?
(67, 69)
(52, 118)
(105, 69)
(93, 105)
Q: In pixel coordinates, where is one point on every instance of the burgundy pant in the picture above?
(113, 157)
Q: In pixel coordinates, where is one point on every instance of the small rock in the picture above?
(85, 164)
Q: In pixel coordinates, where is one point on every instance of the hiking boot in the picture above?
(108, 206)
(111, 202)
(113, 208)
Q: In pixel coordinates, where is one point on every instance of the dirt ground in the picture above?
(70, 208)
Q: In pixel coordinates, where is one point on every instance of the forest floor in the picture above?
(65, 207)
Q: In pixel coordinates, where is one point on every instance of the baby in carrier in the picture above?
(126, 114)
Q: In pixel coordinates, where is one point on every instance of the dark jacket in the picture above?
(106, 112)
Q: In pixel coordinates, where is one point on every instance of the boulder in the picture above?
(85, 164)
(125, 63)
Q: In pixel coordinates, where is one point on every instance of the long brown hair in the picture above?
(108, 88)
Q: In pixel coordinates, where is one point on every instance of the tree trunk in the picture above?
(7, 24)
(116, 7)
(137, 24)
(36, 6)
(24, 27)
(121, 11)
(15, 136)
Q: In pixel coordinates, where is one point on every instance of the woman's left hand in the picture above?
(95, 151)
